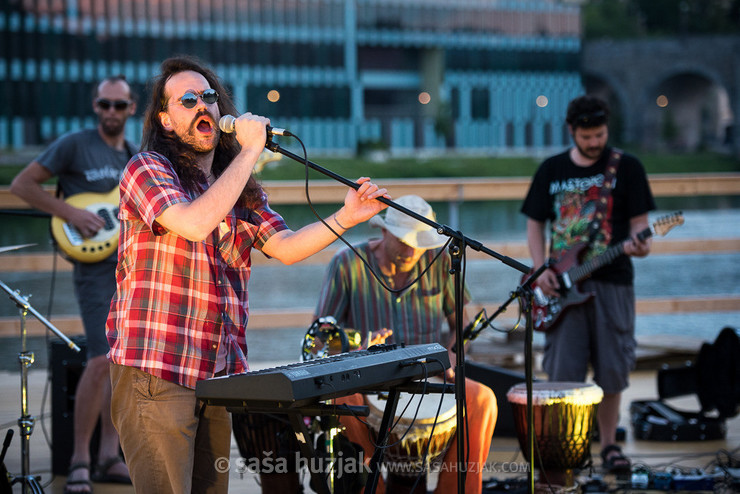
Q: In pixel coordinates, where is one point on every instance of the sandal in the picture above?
(101, 472)
(614, 460)
(86, 483)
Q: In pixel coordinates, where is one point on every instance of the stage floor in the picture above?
(505, 459)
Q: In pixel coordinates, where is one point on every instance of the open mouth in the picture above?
(204, 125)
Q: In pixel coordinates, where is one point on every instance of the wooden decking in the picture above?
(505, 458)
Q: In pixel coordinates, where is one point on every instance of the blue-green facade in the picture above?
(349, 72)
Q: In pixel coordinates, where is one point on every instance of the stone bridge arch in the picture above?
(698, 76)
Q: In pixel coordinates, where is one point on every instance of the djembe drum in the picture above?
(414, 421)
(563, 420)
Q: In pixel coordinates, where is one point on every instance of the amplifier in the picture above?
(500, 381)
(66, 367)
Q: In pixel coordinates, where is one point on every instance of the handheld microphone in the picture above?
(227, 124)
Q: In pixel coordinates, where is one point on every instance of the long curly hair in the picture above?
(183, 156)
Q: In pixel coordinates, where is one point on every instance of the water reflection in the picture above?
(296, 287)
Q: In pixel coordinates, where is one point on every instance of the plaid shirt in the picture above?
(178, 300)
(353, 296)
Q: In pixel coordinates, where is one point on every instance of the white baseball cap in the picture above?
(410, 230)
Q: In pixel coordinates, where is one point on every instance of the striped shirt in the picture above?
(177, 300)
(353, 296)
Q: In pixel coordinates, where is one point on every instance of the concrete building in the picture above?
(477, 76)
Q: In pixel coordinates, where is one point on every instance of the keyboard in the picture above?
(305, 383)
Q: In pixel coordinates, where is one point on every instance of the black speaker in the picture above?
(66, 368)
(500, 381)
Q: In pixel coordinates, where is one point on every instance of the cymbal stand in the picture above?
(29, 483)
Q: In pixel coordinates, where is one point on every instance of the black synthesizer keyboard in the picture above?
(305, 383)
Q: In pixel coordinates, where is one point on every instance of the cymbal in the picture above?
(14, 247)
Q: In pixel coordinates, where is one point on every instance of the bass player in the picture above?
(89, 160)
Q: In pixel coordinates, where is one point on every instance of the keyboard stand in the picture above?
(389, 413)
(296, 414)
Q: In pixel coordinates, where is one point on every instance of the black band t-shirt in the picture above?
(566, 195)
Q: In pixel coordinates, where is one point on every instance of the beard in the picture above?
(112, 127)
(196, 142)
(197, 146)
(593, 152)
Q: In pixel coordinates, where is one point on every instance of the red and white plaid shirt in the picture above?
(178, 300)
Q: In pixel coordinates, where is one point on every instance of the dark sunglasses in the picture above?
(119, 104)
(189, 99)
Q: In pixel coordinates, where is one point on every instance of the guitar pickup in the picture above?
(539, 296)
(567, 283)
(105, 214)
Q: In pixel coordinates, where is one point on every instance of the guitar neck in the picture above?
(583, 271)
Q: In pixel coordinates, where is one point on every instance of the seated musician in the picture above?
(355, 298)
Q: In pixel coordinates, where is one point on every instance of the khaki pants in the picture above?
(170, 444)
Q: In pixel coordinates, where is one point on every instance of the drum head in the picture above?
(407, 407)
(550, 393)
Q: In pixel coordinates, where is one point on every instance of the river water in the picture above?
(297, 287)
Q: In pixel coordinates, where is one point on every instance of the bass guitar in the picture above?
(105, 241)
(546, 311)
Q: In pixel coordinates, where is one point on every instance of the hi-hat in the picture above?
(14, 247)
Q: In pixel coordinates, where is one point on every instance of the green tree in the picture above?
(611, 19)
(635, 18)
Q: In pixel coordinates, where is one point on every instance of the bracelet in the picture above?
(338, 223)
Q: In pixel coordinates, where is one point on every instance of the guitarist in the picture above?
(89, 160)
(566, 191)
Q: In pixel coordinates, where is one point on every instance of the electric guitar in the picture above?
(546, 311)
(105, 241)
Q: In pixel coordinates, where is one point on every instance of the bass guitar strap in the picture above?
(610, 175)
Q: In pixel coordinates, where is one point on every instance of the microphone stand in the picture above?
(457, 251)
(525, 293)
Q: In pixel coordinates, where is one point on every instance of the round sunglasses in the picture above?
(119, 104)
(190, 99)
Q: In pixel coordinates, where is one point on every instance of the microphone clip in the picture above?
(473, 329)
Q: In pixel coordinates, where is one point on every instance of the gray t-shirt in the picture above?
(85, 163)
